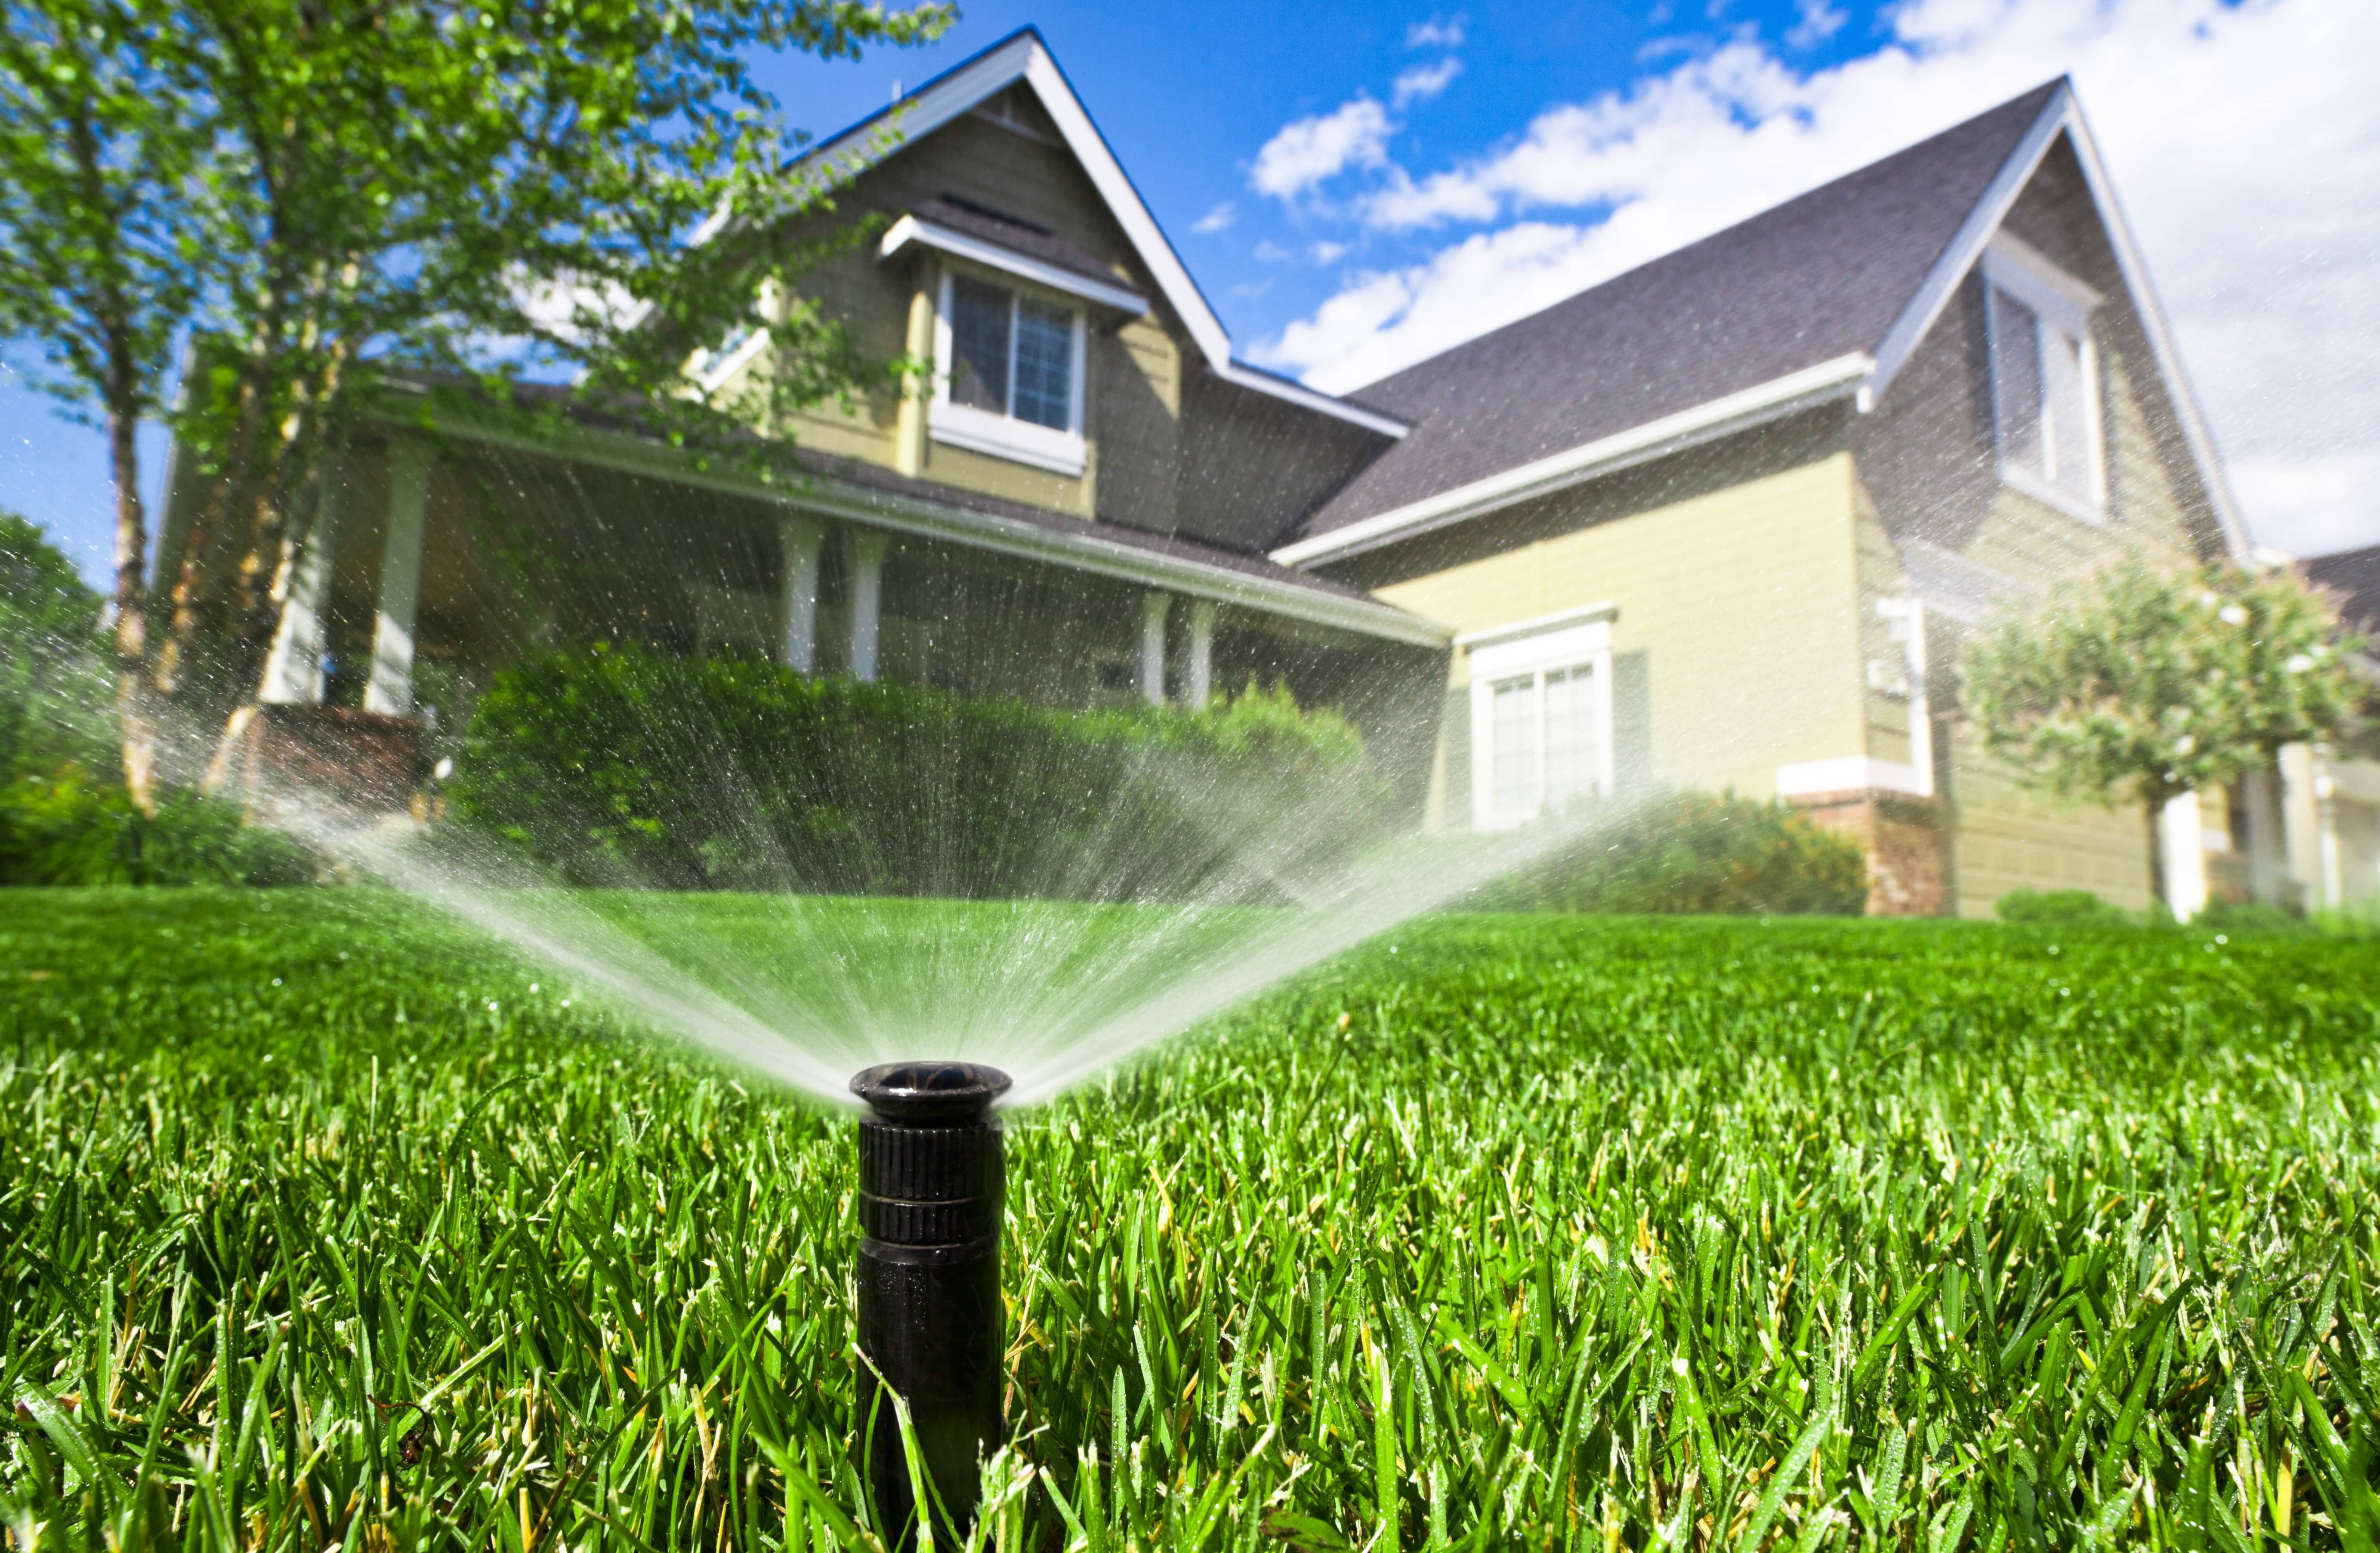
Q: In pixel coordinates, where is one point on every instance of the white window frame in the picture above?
(2058, 301)
(1535, 647)
(1004, 435)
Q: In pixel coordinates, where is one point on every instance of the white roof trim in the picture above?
(1086, 551)
(2064, 114)
(926, 233)
(1022, 58)
(1584, 615)
(1840, 378)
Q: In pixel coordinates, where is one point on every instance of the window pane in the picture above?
(1574, 736)
(2066, 413)
(979, 344)
(1513, 753)
(2016, 368)
(1045, 365)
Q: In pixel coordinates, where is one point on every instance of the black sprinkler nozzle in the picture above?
(931, 1178)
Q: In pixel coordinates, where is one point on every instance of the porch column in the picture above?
(293, 671)
(2302, 824)
(866, 554)
(1153, 608)
(391, 689)
(2182, 850)
(798, 648)
(1198, 676)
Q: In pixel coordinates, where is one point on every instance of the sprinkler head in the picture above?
(931, 1182)
(920, 1092)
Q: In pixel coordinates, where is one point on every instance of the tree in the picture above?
(2133, 684)
(93, 162)
(51, 656)
(322, 195)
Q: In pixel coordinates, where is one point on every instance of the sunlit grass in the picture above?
(320, 1225)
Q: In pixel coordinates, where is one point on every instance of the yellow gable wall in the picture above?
(1134, 368)
(1926, 471)
(1735, 650)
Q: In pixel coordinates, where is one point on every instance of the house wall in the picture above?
(1736, 646)
(1925, 473)
(1010, 159)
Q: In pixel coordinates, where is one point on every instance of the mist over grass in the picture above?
(1539, 1231)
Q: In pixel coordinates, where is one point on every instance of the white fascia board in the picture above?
(2064, 114)
(1312, 399)
(926, 233)
(1022, 58)
(1584, 615)
(1084, 552)
(1840, 378)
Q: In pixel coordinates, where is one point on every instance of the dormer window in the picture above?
(2044, 380)
(1009, 373)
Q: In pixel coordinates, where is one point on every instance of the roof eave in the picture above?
(2064, 114)
(1085, 552)
(1841, 378)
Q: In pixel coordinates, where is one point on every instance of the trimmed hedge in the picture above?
(1702, 853)
(618, 766)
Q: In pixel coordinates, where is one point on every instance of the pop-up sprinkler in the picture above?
(931, 1179)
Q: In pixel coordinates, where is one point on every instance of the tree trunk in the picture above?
(2158, 890)
(134, 711)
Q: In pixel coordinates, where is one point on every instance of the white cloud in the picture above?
(2245, 139)
(1270, 253)
(1435, 33)
(1820, 21)
(1311, 150)
(1215, 220)
(1329, 252)
(1422, 82)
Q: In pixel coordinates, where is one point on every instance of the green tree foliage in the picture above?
(1702, 853)
(53, 670)
(623, 766)
(323, 192)
(2134, 684)
(2142, 685)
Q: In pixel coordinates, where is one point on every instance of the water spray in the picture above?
(930, 1181)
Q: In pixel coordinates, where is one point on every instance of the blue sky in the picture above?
(1358, 185)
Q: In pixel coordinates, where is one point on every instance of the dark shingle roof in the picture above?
(1821, 276)
(2353, 575)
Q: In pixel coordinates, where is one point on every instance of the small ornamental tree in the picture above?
(2141, 686)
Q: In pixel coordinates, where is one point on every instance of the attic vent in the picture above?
(1007, 111)
(975, 208)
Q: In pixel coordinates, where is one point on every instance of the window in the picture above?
(2045, 379)
(1010, 378)
(1540, 716)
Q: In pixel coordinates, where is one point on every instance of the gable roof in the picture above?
(1023, 57)
(1822, 297)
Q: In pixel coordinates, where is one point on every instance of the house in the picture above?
(1721, 522)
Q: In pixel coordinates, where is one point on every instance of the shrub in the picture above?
(1714, 853)
(2079, 908)
(66, 829)
(619, 765)
(2251, 916)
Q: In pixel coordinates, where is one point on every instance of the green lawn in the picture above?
(319, 1227)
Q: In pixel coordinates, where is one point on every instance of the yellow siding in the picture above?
(2007, 839)
(1742, 601)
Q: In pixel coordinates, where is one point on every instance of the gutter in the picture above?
(1086, 551)
(1845, 377)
